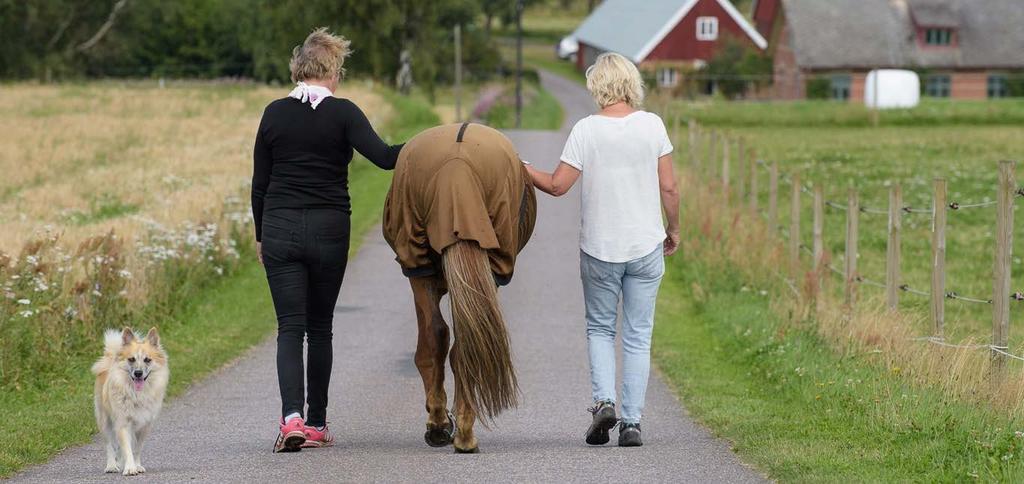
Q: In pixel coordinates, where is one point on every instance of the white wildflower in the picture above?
(124, 274)
(24, 302)
(26, 313)
(32, 260)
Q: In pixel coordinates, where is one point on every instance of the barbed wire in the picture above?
(954, 295)
(940, 341)
(871, 282)
(907, 288)
(1001, 350)
(958, 206)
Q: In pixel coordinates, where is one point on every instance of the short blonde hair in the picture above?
(613, 78)
(321, 56)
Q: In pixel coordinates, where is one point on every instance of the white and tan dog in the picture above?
(131, 379)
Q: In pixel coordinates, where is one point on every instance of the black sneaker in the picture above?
(604, 420)
(629, 435)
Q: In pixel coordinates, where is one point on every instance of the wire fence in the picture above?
(712, 154)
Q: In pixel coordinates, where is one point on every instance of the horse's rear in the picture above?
(460, 209)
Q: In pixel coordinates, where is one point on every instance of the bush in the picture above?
(818, 88)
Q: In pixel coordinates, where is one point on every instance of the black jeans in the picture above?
(304, 253)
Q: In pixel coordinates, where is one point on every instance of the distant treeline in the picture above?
(66, 39)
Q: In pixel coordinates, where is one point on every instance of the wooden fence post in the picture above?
(753, 185)
(794, 229)
(1001, 272)
(675, 125)
(892, 248)
(710, 165)
(939, 258)
(741, 173)
(852, 217)
(691, 130)
(819, 247)
(773, 199)
(725, 169)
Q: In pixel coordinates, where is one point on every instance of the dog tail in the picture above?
(112, 342)
(482, 360)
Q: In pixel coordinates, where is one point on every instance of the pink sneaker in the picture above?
(291, 437)
(317, 438)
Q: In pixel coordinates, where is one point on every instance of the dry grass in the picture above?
(117, 199)
(90, 158)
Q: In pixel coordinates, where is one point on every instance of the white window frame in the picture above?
(667, 77)
(707, 28)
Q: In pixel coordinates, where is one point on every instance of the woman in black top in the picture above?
(301, 207)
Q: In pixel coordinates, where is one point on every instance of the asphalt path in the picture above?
(223, 428)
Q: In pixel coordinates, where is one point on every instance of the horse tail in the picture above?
(481, 358)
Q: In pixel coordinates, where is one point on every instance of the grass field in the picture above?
(193, 146)
(802, 412)
(834, 144)
(825, 397)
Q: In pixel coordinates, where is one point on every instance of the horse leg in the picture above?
(465, 417)
(431, 351)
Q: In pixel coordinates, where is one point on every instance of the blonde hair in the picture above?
(613, 78)
(321, 56)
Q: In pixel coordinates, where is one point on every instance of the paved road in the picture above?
(222, 430)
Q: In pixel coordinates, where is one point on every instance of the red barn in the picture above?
(663, 36)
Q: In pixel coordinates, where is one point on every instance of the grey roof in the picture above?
(935, 14)
(626, 26)
(835, 34)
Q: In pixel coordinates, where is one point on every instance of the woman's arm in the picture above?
(669, 202)
(364, 139)
(557, 183)
(263, 163)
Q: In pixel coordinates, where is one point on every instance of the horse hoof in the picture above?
(438, 437)
(474, 450)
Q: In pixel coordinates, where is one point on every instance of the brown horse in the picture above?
(460, 209)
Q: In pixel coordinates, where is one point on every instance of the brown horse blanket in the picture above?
(459, 182)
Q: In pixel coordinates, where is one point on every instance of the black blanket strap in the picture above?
(462, 132)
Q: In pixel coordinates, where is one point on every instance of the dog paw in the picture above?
(111, 469)
(133, 470)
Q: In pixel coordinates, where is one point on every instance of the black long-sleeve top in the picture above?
(302, 155)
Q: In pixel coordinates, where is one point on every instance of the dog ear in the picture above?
(152, 337)
(127, 336)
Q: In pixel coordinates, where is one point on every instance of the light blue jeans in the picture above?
(637, 283)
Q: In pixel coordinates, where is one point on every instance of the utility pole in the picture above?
(458, 72)
(519, 64)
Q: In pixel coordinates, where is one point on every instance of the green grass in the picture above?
(102, 207)
(832, 144)
(542, 111)
(542, 56)
(931, 112)
(801, 412)
(204, 329)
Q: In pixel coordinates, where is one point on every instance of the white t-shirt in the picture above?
(621, 207)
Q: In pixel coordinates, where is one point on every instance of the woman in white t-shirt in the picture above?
(624, 156)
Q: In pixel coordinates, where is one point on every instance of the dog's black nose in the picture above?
(138, 373)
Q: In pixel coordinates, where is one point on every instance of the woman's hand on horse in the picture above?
(671, 241)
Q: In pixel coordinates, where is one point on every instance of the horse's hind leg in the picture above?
(431, 351)
(465, 417)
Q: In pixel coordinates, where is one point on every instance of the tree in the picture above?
(736, 66)
(44, 37)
